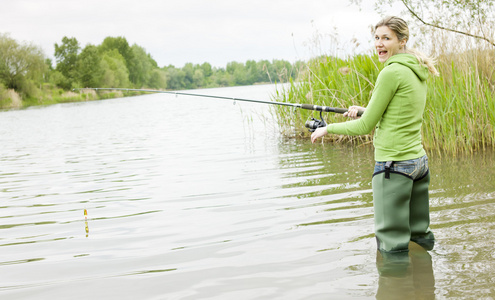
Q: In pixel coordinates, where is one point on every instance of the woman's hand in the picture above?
(352, 112)
(318, 133)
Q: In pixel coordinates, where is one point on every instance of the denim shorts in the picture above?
(414, 168)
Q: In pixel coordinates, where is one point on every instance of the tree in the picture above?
(188, 70)
(158, 79)
(115, 72)
(251, 72)
(199, 78)
(89, 67)
(66, 56)
(21, 65)
(221, 78)
(122, 46)
(207, 69)
(176, 78)
(207, 73)
(143, 66)
(473, 18)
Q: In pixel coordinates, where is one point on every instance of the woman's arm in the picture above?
(385, 88)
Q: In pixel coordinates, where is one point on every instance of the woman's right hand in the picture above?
(352, 112)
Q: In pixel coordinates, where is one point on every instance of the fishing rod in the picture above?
(311, 125)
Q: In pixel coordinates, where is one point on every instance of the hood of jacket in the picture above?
(411, 62)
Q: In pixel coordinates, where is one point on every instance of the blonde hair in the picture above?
(400, 28)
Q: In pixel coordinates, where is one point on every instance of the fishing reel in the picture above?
(315, 123)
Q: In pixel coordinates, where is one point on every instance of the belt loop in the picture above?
(388, 164)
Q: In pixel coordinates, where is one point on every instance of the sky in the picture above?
(176, 32)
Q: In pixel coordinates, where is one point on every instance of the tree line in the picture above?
(115, 63)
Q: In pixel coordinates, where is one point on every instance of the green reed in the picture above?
(460, 111)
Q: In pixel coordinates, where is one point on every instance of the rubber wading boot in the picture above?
(419, 220)
(391, 197)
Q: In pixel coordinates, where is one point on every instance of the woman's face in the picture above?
(387, 44)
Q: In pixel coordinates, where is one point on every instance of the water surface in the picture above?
(194, 198)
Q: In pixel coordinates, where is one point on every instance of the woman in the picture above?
(401, 176)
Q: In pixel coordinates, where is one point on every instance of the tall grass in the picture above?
(460, 112)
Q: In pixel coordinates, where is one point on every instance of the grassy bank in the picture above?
(48, 94)
(460, 112)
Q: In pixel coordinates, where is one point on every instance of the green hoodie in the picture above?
(395, 109)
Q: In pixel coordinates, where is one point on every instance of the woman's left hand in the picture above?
(318, 133)
(352, 112)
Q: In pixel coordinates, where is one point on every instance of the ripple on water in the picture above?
(220, 213)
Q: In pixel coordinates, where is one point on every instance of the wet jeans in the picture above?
(414, 168)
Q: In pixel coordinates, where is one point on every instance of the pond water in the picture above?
(164, 197)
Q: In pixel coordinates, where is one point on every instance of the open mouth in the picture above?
(382, 53)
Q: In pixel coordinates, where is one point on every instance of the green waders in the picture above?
(419, 220)
(401, 211)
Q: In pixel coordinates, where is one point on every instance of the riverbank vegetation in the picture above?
(28, 78)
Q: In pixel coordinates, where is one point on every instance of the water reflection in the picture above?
(334, 184)
(405, 275)
(86, 222)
